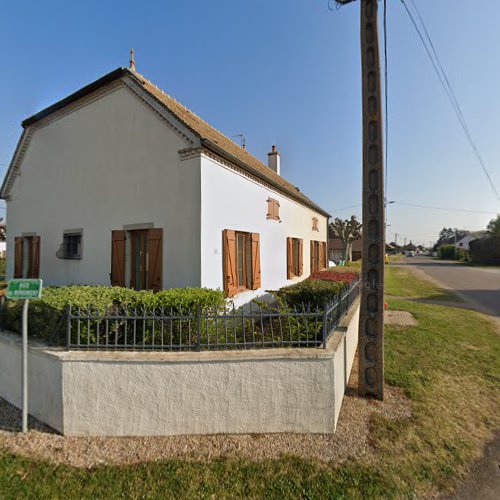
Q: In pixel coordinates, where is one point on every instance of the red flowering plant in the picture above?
(343, 276)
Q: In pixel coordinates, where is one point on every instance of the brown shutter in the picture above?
(155, 264)
(320, 256)
(289, 258)
(276, 213)
(118, 258)
(18, 257)
(35, 255)
(312, 258)
(270, 208)
(229, 245)
(325, 255)
(256, 282)
(301, 257)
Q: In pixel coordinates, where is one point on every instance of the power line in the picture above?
(445, 209)
(443, 78)
(346, 208)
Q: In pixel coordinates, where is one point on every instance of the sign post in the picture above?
(24, 289)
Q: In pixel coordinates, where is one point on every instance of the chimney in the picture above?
(273, 160)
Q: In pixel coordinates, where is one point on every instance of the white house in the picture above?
(464, 242)
(120, 184)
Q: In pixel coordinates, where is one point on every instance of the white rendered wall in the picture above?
(231, 200)
(111, 163)
(157, 393)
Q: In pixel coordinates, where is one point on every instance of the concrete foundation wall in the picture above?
(136, 393)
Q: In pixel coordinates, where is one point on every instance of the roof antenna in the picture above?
(132, 61)
(243, 142)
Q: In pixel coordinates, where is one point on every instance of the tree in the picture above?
(493, 227)
(347, 231)
(2, 230)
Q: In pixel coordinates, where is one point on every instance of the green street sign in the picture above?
(26, 289)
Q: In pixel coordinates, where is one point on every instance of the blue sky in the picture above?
(285, 72)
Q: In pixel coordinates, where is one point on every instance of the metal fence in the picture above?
(252, 327)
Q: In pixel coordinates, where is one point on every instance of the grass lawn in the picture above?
(449, 365)
(402, 282)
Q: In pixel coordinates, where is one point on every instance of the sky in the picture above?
(286, 72)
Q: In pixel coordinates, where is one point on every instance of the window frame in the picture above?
(69, 233)
(247, 259)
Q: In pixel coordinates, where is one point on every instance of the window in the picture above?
(315, 224)
(136, 258)
(72, 245)
(294, 257)
(273, 209)
(318, 256)
(27, 256)
(241, 261)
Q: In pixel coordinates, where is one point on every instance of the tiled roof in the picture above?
(208, 133)
(210, 137)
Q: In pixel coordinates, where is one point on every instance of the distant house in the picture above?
(464, 242)
(335, 250)
(121, 184)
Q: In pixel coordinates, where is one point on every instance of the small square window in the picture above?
(273, 209)
(315, 224)
(72, 245)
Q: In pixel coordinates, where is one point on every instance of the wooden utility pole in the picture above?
(371, 319)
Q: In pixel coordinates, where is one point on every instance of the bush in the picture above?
(311, 293)
(47, 315)
(446, 252)
(485, 251)
(462, 255)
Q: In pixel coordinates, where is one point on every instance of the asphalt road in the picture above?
(477, 285)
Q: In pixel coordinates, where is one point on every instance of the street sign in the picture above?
(24, 289)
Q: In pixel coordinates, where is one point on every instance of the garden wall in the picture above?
(155, 393)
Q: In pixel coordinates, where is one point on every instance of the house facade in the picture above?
(120, 184)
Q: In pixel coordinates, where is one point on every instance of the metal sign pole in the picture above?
(25, 366)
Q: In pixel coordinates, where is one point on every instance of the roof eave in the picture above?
(222, 152)
(88, 89)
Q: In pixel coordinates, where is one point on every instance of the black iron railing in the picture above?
(256, 326)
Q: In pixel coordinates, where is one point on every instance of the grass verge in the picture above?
(449, 365)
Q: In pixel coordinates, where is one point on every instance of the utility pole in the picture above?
(371, 320)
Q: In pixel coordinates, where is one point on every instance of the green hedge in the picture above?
(310, 292)
(486, 251)
(47, 315)
(446, 252)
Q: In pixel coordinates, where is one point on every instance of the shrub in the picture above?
(336, 275)
(311, 293)
(486, 251)
(47, 315)
(446, 252)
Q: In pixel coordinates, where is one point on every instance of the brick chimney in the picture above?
(273, 160)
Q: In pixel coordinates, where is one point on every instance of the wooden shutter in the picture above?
(301, 257)
(229, 250)
(270, 208)
(155, 264)
(325, 255)
(321, 257)
(35, 256)
(256, 282)
(276, 210)
(118, 258)
(18, 257)
(289, 258)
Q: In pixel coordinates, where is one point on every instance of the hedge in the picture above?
(485, 251)
(47, 315)
(446, 252)
(310, 293)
